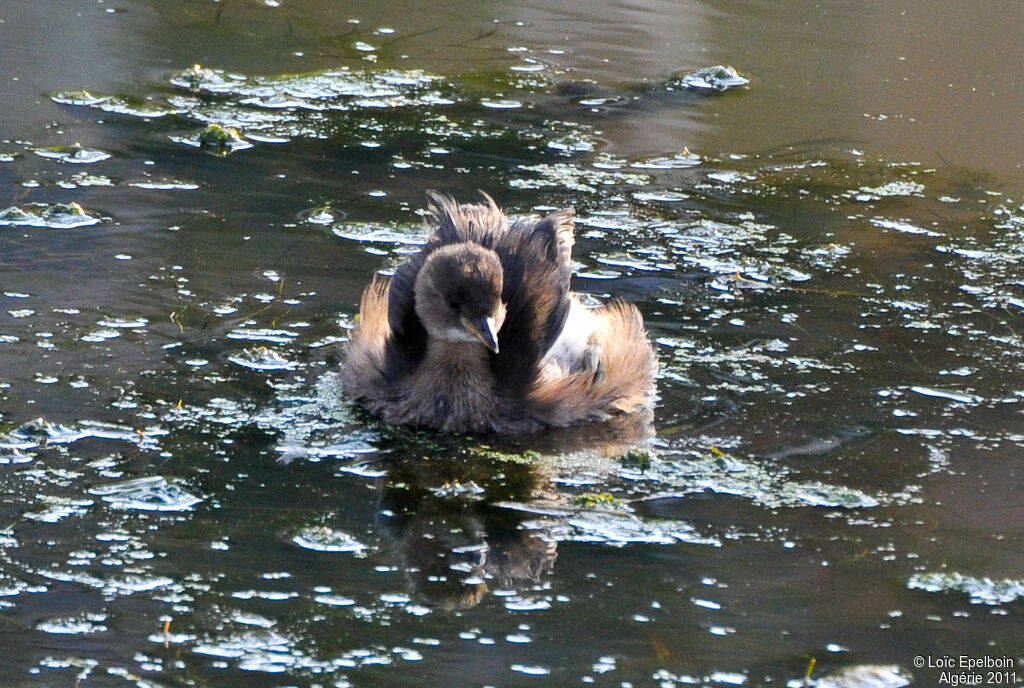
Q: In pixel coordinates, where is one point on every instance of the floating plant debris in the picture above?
(861, 676)
(680, 161)
(169, 185)
(334, 600)
(717, 78)
(980, 590)
(279, 108)
(75, 154)
(501, 104)
(962, 397)
(831, 496)
(114, 104)
(129, 584)
(619, 529)
(324, 539)
(314, 91)
(902, 226)
(897, 188)
(58, 508)
(13, 456)
(661, 196)
(78, 98)
(573, 177)
(218, 140)
(79, 625)
(600, 500)
(85, 179)
(458, 489)
(276, 336)
(41, 431)
(378, 234)
(123, 323)
(146, 494)
(262, 358)
(198, 77)
(56, 216)
(321, 215)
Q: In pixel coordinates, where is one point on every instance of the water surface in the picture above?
(825, 256)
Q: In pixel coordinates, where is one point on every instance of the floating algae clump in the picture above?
(221, 140)
(56, 216)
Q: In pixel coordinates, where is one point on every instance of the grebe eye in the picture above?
(453, 304)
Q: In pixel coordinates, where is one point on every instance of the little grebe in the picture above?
(479, 332)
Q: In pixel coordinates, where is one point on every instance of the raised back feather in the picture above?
(456, 223)
(537, 263)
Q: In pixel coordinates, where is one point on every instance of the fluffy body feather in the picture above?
(479, 332)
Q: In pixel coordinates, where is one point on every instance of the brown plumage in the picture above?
(479, 332)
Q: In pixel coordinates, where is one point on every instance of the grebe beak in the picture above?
(484, 330)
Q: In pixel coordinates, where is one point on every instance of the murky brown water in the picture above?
(827, 257)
